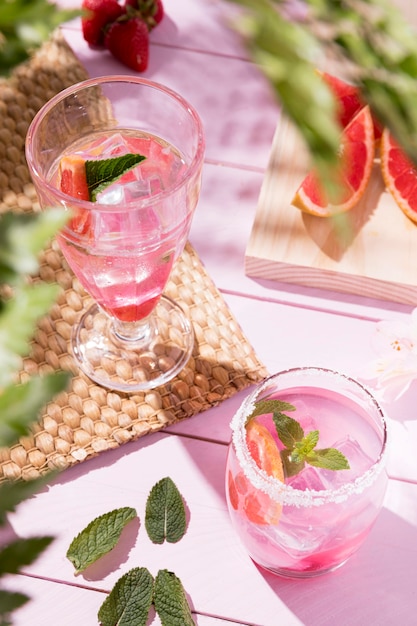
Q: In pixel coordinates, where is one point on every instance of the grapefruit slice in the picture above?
(73, 178)
(349, 100)
(400, 175)
(347, 96)
(357, 151)
(257, 506)
(73, 182)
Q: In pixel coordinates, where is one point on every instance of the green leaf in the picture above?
(13, 492)
(263, 407)
(17, 324)
(21, 552)
(129, 601)
(24, 25)
(288, 429)
(9, 602)
(22, 237)
(170, 600)
(165, 517)
(328, 458)
(305, 446)
(101, 173)
(291, 468)
(20, 405)
(99, 537)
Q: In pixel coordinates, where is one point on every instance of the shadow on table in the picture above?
(377, 586)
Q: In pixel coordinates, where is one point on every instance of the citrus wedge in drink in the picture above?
(257, 506)
(357, 151)
(400, 175)
(73, 182)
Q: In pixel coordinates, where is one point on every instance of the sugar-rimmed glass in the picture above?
(314, 521)
(123, 246)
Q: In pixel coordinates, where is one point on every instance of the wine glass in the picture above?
(301, 516)
(123, 245)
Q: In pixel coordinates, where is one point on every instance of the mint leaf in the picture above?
(288, 429)
(99, 537)
(165, 513)
(305, 446)
(170, 600)
(299, 448)
(101, 173)
(328, 458)
(291, 467)
(263, 407)
(129, 601)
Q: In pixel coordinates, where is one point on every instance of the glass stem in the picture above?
(137, 332)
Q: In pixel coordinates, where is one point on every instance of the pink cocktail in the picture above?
(294, 515)
(122, 244)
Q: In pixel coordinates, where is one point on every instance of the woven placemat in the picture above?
(88, 419)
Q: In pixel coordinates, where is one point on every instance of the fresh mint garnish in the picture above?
(170, 600)
(100, 173)
(165, 513)
(99, 537)
(129, 601)
(300, 448)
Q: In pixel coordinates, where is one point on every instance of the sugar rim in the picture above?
(285, 494)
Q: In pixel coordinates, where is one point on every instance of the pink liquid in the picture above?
(304, 540)
(122, 247)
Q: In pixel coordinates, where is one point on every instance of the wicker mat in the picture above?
(88, 419)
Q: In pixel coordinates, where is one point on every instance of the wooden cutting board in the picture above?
(376, 257)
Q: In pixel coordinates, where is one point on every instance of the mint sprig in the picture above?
(300, 448)
(100, 173)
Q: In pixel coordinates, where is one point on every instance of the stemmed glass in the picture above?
(122, 246)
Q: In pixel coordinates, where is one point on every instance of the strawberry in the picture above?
(97, 14)
(128, 41)
(151, 11)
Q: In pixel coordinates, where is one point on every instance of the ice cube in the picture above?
(112, 195)
(114, 145)
(318, 479)
(308, 478)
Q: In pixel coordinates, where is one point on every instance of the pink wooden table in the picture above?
(194, 52)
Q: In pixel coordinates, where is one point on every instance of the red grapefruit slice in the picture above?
(400, 175)
(257, 506)
(73, 182)
(73, 177)
(349, 100)
(357, 151)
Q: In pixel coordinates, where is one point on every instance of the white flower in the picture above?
(395, 367)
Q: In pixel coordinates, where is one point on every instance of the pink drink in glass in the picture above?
(126, 279)
(318, 518)
(122, 244)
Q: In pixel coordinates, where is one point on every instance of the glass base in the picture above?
(303, 574)
(136, 356)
